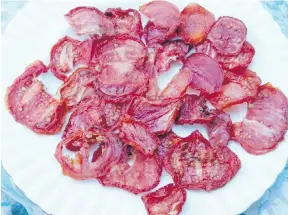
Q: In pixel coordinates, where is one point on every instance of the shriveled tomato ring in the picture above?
(266, 121)
(31, 105)
(143, 175)
(67, 53)
(83, 166)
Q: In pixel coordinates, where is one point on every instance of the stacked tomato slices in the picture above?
(120, 126)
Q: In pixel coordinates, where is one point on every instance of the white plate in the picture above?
(29, 159)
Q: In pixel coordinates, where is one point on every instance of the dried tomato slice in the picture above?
(195, 164)
(227, 35)
(166, 143)
(78, 87)
(126, 21)
(85, 166)
(177, 86)
(143, 175)
(196, 22)
(94, 113)
(90, 21)
(31, 105)
(139, 136)
(206, 74)
(166, 200)
(266, 122)
(237, 63)
(220, 129)
(164, 20)
(121, 61)
(237, 88)
(67, 53)
(168, 52)
(195, 110)
(157, 115)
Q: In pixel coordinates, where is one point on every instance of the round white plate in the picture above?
(29, 158)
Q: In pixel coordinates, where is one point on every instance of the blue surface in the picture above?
(273, 202)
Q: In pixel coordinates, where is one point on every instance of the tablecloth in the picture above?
(273, 202)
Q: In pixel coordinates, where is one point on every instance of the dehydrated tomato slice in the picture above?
(83, 118)
(121, 61)
(90, 21)
(237, 88)
(164, 19)
(119, 50)
(141, 176)
(126, 21)
(139, 136)
(206, 74)
(220, 129)
(166, 143)
(166, 200)
(266, 122)
(227, 35)
(94, 113)
(157, 115)
(79, 86)
(168, 52)
(195, 164)
(237, 63)
(177, 86)
(84, 165)
(31, 105)
(196, 22)
(153, 89)
(195, 110)
(66, 53)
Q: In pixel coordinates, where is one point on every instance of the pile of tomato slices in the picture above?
(120, 127)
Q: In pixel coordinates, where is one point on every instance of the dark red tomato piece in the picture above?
(237, 63)
(166, 143)
(94, 113)
(153, 89)
(194, 164)
(206, 74)
(78, 87)
(90, 21)
(121, 61)
(168, 52)
(126, 21)
(67, 53)
(178, 85)
(228, 35)
(85, 166)
(166, 200)
(237, 88)
(164, 20)
(195, 110)
(31, 105)
(142, 176)
(139, 136)
(83, 118)
(159, 115)
(220, 129)
(195, 23)
(266, 122)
